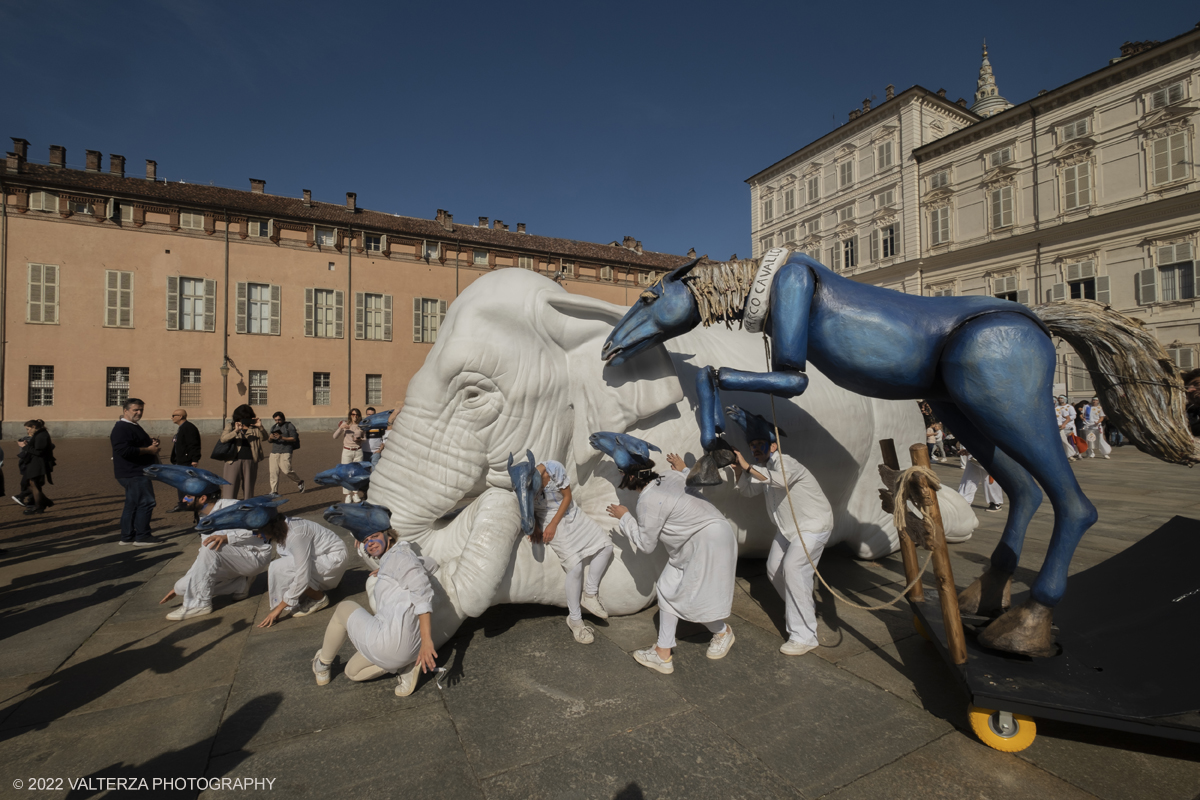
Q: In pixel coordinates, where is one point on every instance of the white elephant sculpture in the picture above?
(517, 366)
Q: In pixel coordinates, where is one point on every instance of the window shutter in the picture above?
(1103, 294)
(1147, 283)
(1073, 272)
(33, 308)
(1058, 292)
(210, 305)
(1159, 161)
(1087, 269)
(1084, 173)
(49, 293)
(387, 317)
(359, 316)
(240, 306)
(1185, 358)
(125, 309)
(172, 303)
(339, 298)
(1178, 156)
(112, 297)
(275, 303)
(441, 312)
(416, 319)
(875, 245)
(309, 312)
(1023, 297)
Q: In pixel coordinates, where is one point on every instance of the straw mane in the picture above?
(720, 289)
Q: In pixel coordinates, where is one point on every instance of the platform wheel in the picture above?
(1008, 733)
(920, 628)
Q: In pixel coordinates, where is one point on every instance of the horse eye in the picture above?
(648, 297)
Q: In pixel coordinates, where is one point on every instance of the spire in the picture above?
(987, 97)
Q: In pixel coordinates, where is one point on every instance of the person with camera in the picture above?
(133, 450)
(284, 440)
(247, 435)
(352, 438)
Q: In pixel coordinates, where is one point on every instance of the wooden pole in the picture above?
(947, 591)
(908, 550)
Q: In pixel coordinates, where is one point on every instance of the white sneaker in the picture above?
(1106, 456)
(793, 648)
(308, 606)
(650, 658)
(406, 681)
(591, 604)
(720, 644)
(188, 613)
(584, 634)
(244, 592)
(321, 669)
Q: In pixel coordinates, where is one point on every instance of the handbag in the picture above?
(1080, 445)
(225, 451)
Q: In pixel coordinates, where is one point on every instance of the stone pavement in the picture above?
(95, 683)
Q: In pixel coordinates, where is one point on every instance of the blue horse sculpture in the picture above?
(985, 365)
(354, 476)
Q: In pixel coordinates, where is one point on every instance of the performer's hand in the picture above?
(216, 541)
(548, 532)
(170, 596)
(427, 657)
(743, 465)
(676, 462)
(616, 511)
(374, 573)
(272, 618)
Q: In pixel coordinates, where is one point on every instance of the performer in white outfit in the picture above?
(398, 637)
(804, 524)
(227, 561)
(975, 476)
(698, 580)
(1066, 426)
(312, 560)
(1093, 429)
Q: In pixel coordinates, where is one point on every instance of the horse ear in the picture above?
(679, 272)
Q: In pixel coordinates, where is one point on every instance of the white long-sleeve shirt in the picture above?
(238, 537)
(392, 638)
(813, 512)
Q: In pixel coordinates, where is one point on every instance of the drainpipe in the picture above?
(225, 333)
(349, 334)
(3, 296)
(1037, 216)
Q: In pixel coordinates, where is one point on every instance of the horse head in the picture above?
(527, 482)
(628, 451)
(354, 476)
(361, 519)
(662, 312)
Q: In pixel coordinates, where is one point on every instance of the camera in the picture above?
(24, 439)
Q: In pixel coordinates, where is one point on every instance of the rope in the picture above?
(901, 505)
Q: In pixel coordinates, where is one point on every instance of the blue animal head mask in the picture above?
(189, 480)
(377, 420)
(661, 312)
(361, 519)
(250, 515)
(628, 451)
(754, 426)
(527, 482)
(353, 477)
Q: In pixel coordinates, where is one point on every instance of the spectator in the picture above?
(1191, 384)
(373, 444)
(247, 434)
(352, 438)
(185, 449)
(1066, 426)
(133, 450)
(1093, 428)
(926, 413)
(37, 465)
(284, 441)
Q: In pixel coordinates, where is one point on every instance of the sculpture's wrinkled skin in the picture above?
(515, 369)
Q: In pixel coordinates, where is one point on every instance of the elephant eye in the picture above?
(474, 397)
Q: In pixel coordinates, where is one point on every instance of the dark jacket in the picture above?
(40, 461)
(187, 445)
(127, 438)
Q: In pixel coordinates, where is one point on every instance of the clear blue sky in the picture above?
(588, 121)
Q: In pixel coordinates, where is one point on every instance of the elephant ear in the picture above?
(605, 398)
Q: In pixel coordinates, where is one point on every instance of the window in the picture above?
(372, 242)
(80, 207)
(768, 243)
(1166, 96)
(1076, 129)
(883, 156)
(1184, 357)
(846, 213)
(940, 180)
(325, 237)
(42, 305)
(43, 201)
(845, 174)
(374, 390)
(260, 227)
(939, 225)
(787, 235)
(258, 387)
(126, 212)
(768, 210)
(191, 304)
(1000, 201)
(1077, 186)
(1177, 272)
(526, 262)
(849, 257)
(1079, 380)
(428, 314)
(192, 220)
(885, 199)
(370, 312)
(257, 308)
(189, 388)
(1000, 157)
(814, 188)
(41, 385)
(116, 386)
(118, 299)
(789, 200)
(1005, 288)
(883, 242)
(432, 250)
(945, 291)
(323, 313)
(568, 269)
(321, 389)
(1169, 158)
(479, 257)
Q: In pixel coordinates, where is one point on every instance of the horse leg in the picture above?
(711, 413)
(996, 370)
(778, 383)
(990, 594)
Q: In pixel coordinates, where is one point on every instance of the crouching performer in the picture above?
(227, 562)
(697, 582)
(549, 515)
(345, 515)
(398, 637)
(802, 524)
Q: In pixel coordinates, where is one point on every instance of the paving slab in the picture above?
(912, 670)
(14, 689)
(48, 635)
(631, 632)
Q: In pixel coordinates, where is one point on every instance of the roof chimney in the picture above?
(13, 163)
(866, 105)
(58, 156)
(257, 185)
(21, 148)
(520, 227)
(628, 242)
(445, 219)
(941, 93)
(855, 114)
(92, 160)
(151, 170)
(962, 101)
(637, 248)
(482, 222)
(308, 197)
(890, 91)
(116, 165)
(498, 225)
(691, 252)
(351, 202)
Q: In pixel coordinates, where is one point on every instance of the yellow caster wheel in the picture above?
(920, 628)
(1000, 730)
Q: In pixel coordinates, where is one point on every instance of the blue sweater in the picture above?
(126, 439)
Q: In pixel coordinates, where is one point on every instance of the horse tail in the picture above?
(1137, 382)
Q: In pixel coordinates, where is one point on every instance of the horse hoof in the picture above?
(1025, 630)
(989, 595)
(705, 472)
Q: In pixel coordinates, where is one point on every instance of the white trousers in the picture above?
(220, 572)
(1098, 443)
(973, 478)
(349, 457)
(791, 573)
(668, 622)
(326, 574)
(1067, 446)
(598, 566)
